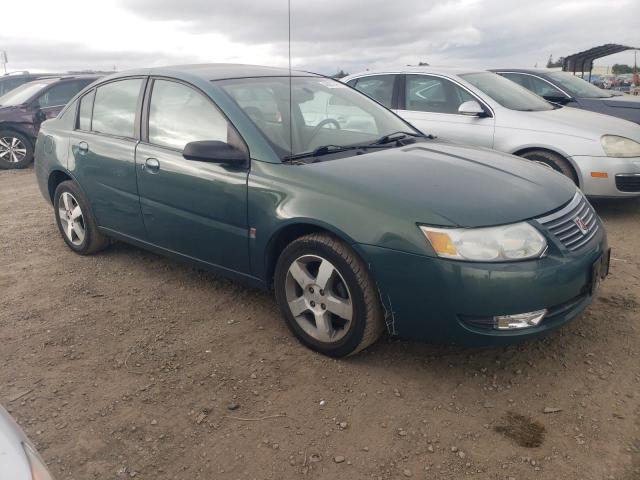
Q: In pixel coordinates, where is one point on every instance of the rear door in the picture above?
(102, 156)
(197, 209)
(431, 103)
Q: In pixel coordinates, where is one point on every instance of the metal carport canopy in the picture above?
(583, 61)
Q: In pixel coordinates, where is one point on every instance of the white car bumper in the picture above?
(608, 176)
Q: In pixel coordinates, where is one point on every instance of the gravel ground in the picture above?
(127, 364)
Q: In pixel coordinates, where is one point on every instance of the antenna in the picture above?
(290, 86)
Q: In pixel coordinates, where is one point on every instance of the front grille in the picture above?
(566, 227)
(628, 182)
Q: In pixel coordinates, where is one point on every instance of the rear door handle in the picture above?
(152, 165)
(83, 147)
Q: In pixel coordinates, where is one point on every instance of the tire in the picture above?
(77, 227)
(552, 160)
(16, 150)
(340, 321)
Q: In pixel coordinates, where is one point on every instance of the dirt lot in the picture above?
(125, 365)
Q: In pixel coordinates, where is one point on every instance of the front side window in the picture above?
(378, 87)
(578, 87)
(178, 114)
(507, 93)
(114, 107)
(535, 84)
(425, 93)
(322, 112)
(61, 93)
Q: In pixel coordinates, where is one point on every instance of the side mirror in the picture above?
(471, 108)
(40, 115)
(215, 152)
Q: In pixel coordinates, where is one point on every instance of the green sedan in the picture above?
(359, 222)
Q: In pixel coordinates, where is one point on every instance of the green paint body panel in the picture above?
(202, 213)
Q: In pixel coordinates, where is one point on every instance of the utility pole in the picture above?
(4, 60)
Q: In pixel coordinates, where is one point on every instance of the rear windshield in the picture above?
(507, 93)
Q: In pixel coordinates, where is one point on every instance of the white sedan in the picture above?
(599, 152)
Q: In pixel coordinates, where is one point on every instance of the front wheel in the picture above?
(553, 161)
(16, 150)
(327, 296)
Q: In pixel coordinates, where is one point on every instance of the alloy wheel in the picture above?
(319, 298)
(71, 219)
(12, 149)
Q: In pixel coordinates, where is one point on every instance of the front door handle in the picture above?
(152, 165)
(83, 147)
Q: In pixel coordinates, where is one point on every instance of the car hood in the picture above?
(580, 124)
(439, 183)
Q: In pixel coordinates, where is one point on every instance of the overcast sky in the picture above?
(326, 34)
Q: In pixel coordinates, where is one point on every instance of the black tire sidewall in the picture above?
(352, 339)
(69, 186)
(556, 162)
(27, 160)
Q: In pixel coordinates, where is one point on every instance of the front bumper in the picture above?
(436, 300)
(596, 186)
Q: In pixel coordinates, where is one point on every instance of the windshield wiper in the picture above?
(395, 136)
(327, 149)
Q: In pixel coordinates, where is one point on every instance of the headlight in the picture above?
(615, 146)
(494, 244)
(38, 469)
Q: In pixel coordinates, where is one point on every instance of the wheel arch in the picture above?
(291, 231)
(554, 151)
(15, 127)
(56, 177)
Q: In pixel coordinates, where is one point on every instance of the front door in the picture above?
(431, 105)
(194, 208)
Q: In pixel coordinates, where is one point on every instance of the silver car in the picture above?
(599, 152)
(18, 458)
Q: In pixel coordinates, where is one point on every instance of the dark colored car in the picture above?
(360, 223)
(24, 108)
(567, 89)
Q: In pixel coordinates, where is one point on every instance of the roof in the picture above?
(425, 69)
(526, 70)
(583, 61)
(222, 71)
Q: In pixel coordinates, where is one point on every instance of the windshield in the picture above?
(507, 93)
(325, 112)
(21, 94)
(577, 87)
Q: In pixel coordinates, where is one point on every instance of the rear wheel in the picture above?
(75, 220)
(327, 296)
(552, 160)
(16, 150)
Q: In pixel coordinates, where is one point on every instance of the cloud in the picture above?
(327, 34)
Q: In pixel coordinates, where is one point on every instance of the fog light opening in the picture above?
(519, 320)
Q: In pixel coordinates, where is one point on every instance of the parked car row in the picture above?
(601, 154)
(361, 222)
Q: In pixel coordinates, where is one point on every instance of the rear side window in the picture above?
(114, 107)
(178, 114)
(378, 87)
(84, 113)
